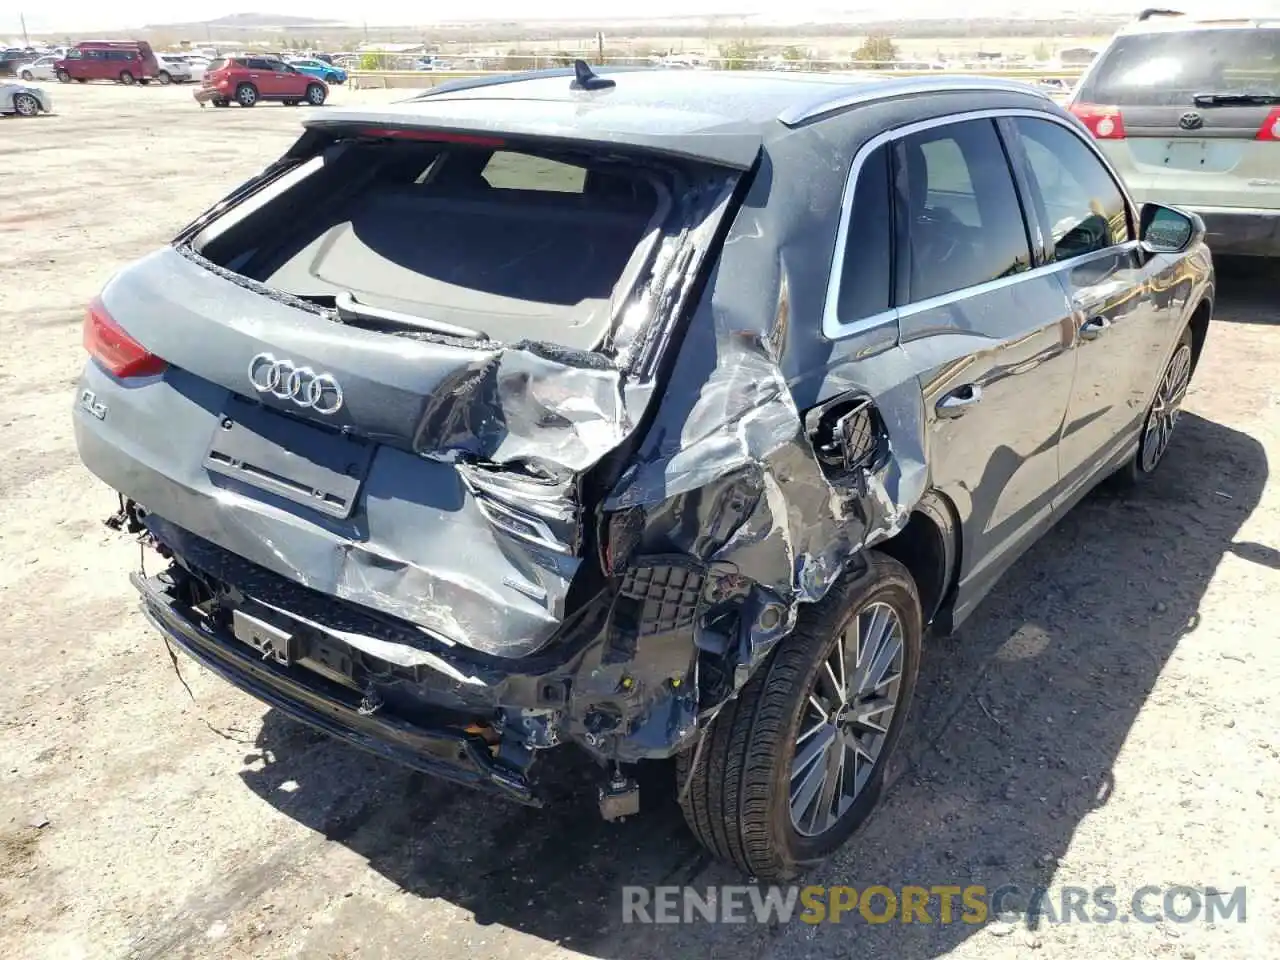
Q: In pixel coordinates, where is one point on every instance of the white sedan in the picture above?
(23, 100)
(41, 69)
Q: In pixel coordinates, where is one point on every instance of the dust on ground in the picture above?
(1110, 716)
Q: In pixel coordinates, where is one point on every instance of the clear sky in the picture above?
(80, 15)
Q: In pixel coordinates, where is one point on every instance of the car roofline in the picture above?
(843, 98)
(840, 97)
(1184, 23)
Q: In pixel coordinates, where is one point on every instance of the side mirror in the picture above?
(1164, 229)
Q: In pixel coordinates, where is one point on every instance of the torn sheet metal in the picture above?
(494, 473)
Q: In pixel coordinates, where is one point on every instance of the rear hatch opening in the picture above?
(462, 236)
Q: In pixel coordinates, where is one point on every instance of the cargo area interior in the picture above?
(509, 243)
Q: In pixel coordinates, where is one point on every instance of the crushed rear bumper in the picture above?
(449, 753)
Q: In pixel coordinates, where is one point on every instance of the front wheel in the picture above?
(25, 105)
(126, 78)
(28, 76)
(316, 95)
(63, 76)
(791, 767)
(1162, 416)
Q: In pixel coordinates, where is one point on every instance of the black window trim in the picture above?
(834, 329)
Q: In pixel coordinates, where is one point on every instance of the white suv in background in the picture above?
(1188, 110)
(171, 68)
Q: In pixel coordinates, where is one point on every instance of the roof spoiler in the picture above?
(1150, 12)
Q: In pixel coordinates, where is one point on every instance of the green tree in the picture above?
(1041, 51)
(737, 55)
(878, 48)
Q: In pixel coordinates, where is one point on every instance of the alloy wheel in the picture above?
(25, 105)
(315, 96)
(1166, 408)
(846, 719)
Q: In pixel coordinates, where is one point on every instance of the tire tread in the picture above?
(727, 803)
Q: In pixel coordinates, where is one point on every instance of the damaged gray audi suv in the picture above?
(650, 412)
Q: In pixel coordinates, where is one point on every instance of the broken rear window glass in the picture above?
(513, 244)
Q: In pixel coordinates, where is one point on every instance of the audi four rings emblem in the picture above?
(310, 390)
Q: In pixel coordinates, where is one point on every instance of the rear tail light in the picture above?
(1270, 129)
(107, 343)
(1105, 123)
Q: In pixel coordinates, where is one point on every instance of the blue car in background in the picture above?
(327, 72)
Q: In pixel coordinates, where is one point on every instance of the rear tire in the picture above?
(744, 778)
(164, 78)
(126, 78)
(316, 95)
(221, 103)
(28, 76)
(246, 95)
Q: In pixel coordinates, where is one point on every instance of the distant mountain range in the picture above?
(248, 21)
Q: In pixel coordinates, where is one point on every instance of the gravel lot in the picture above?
(1110, 716)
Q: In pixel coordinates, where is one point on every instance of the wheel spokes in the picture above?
(846, 719)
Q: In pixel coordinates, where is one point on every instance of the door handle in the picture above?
(1093, 329)
(955, 403)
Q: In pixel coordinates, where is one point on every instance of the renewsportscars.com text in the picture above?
(940, 903)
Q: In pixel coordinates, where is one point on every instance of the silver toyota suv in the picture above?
(1188, 111)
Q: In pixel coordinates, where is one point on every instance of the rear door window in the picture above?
(866, 267)
(1077, 200)
(1171, 68)
(963, 220)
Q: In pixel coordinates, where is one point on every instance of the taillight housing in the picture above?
(107, 343)
(1270, 129)
(1105, 123)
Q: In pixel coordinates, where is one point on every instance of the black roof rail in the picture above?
(1150, 12)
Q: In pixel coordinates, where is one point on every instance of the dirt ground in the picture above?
(1111, 715)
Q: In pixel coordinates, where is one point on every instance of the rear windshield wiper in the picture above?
(349, 309)
(1230, 99)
